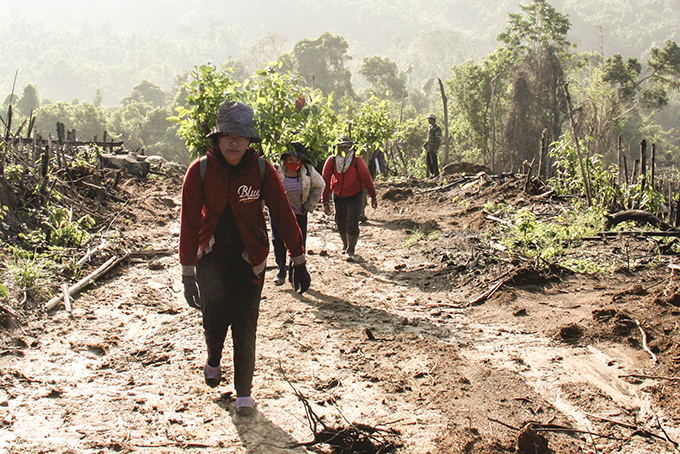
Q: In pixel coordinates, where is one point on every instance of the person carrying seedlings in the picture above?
(347, 175)
(431, 146)
(223, 244)
(303, 186)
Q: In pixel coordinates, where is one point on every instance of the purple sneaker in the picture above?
(212, 375)
(245, 406)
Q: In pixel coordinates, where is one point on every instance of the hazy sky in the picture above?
(403, 30)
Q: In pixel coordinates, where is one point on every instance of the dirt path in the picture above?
(388, 341)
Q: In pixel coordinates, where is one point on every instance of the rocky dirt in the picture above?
(406, 341)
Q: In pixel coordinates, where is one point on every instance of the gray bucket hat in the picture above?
(236, 118)
(344, 140)
(432, 116)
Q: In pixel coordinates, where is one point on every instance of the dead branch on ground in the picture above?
(644, 342)
(355, 438)
(639, 217)
(101, 271)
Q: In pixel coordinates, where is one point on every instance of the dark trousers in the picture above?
(347, 213)
(231, 297)
(432, 164)
(280, 251)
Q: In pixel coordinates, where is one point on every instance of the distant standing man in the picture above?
(434, 140)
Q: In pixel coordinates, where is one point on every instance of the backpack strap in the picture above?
(260, 160)
(203, 164)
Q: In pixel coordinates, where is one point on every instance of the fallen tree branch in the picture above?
(638, 216)
(650, 377)
(67, 297)
(538, 427)
(91, 252)
(663, 431)
(558, 428)
(81, 284)
(99, 272)
(620, 423)
(644, 342)
(646, 233)
(499, 220)
(484, 296)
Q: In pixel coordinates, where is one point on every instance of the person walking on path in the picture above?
(223, 244)
(431, 146)
(347, 175)
(303, 186)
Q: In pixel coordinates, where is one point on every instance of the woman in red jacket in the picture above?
(223, 244)
(347, 175)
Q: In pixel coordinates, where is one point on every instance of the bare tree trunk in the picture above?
(620, 153)
(446, 123)
(643, 163)
(586, 180)
(493, 123)
(652, 165)
(542, 152)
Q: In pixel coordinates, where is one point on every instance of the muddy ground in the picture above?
(399, 341)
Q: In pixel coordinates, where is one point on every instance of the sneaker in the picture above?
(245, 406)
(212, 375)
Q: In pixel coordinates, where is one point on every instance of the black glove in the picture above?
(191, 292)
(300, 278)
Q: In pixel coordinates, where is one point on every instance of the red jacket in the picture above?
(347, 184)
(203, 203)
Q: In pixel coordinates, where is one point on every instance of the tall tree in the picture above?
(384, 77)
(29, 101)
(536, 38)
(322, 63)
(146, 92)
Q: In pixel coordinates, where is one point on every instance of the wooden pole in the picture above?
(584, 175)
(446, 123)
(643, 163)
(652, 165)
(620, 153)
(541, 156)
(493, 122)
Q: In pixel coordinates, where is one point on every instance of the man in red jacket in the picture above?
(347, 175)
(223, 243)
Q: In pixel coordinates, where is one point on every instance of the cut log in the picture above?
(130, 163)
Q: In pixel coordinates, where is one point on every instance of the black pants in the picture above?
(280, 251)
(231, 297)
(347, 213)
(432, 164)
